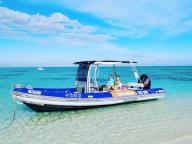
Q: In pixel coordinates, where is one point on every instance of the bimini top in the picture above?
(107, 62)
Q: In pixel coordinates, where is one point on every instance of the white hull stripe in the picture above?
(48, 100)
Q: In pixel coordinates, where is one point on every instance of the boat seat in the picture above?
(123, 93)
(93, 89)
(102, 88)
(134, 84)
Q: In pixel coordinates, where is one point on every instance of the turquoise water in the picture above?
(166, 121)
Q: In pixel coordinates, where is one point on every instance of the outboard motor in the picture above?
(145, 80)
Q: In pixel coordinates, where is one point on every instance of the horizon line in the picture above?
(102, 66)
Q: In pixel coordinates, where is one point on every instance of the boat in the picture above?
(87, 93)
(40, 68)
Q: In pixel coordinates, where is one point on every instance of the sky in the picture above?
(60, 32)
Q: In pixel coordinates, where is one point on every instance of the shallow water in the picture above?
(166, 121)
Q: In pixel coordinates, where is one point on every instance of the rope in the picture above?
(5, 128)
(11, 121)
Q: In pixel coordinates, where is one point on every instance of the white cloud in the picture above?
(15, 24)
(55, 31)
(138, 18)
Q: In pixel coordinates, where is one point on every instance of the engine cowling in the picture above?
(145, 80)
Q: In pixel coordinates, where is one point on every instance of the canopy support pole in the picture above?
(95, 76)
(114, 71)
(136, 74)
(88, 80)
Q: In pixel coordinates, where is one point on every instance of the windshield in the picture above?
(125, 73)
(82, 72)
